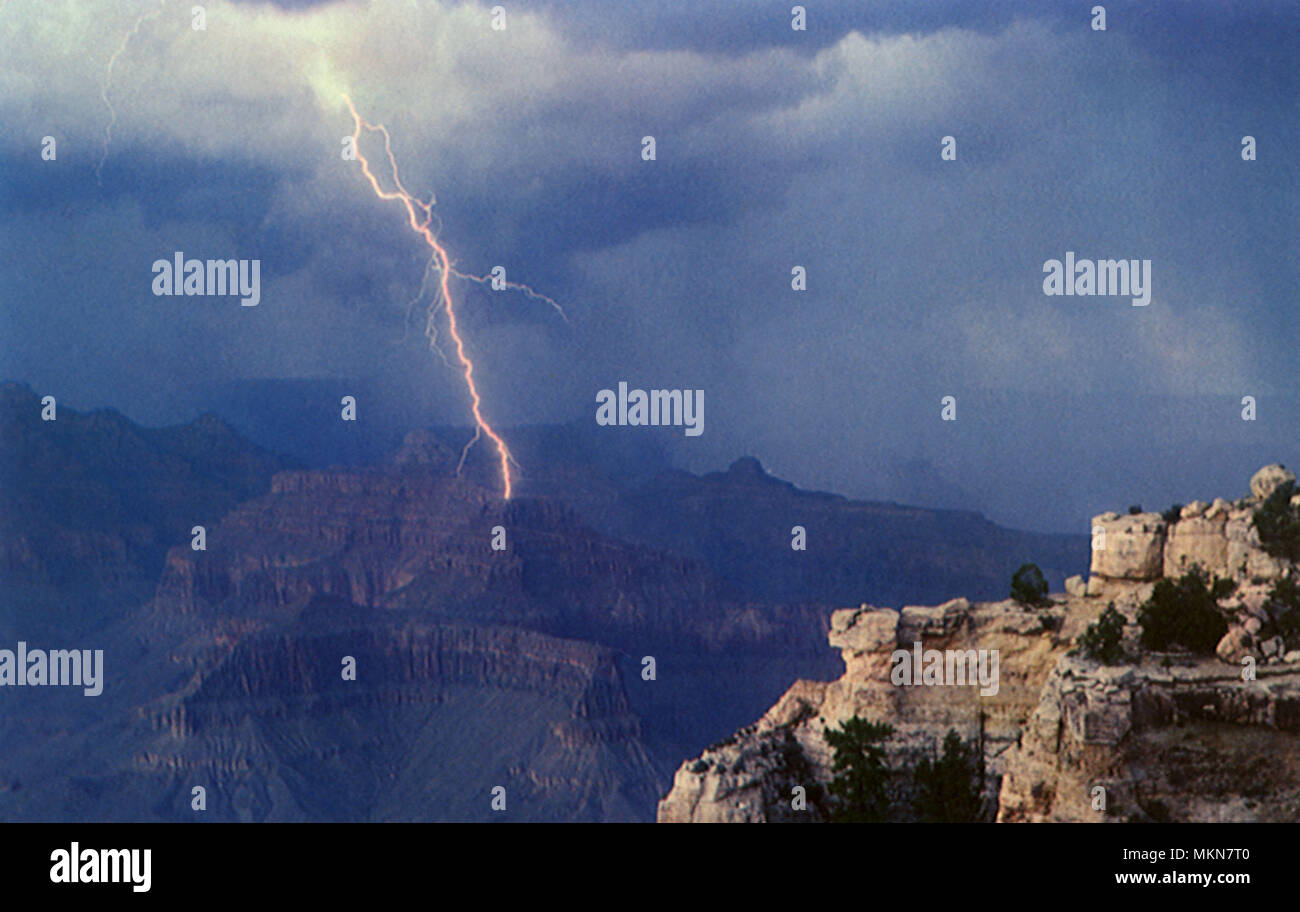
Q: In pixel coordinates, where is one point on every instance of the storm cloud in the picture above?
(775, 148)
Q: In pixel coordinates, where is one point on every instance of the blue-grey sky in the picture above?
(775, 148)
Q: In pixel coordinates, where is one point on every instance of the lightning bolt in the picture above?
(431, 325)
(420, 217)
(514, 286)
(108, 81)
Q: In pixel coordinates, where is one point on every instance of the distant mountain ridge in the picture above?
(739, 522)
(90, 502)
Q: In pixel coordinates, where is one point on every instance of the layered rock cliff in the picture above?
(437, 716)
(1158, 736)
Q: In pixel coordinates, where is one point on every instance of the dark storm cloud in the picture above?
(775, 148)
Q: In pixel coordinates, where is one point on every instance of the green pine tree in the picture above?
(1029, 586)
(860, 773)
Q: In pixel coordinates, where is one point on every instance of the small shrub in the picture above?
(1172, 515)
(1101, 641)
(1029, 587)
(1185, 613)
(1284, 606)
(1157, 811)
(1135, 510)
(1279, 523)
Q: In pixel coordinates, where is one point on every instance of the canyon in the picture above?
(475, 669)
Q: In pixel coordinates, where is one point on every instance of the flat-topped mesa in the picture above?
(1129, 553)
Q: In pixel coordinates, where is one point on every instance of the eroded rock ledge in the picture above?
(1189, 743)
(1170, 737)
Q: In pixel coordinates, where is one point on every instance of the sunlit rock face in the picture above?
(1160, 736)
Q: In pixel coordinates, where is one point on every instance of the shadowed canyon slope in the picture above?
(474, 668)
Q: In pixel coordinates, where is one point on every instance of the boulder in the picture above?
(1132, 547)
(1246, 557)
(1220, 507)
(861, 631)
(1197, 540)
(1269, 479)
(1235, 645)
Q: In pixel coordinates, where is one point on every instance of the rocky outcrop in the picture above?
(1269, 479)
(1219, 537)
(1198, 538)
(1192, 742)
(754, 775)
(1129, 548)
(1157, 737)
(1173, 737)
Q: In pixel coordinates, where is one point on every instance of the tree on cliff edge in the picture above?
(1029, 586)
(1185, 612)
(1278, 523)
(860, 773)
